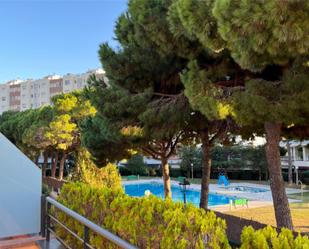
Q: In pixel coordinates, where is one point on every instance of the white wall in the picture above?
(20, 192)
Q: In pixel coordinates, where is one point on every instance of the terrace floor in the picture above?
(27, 243)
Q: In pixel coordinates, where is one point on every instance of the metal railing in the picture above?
(88, 226)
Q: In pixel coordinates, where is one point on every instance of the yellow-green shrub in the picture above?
(268, 238)
(87, 172)
(147, 222)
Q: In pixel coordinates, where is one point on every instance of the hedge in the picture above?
(153, 223)
(269, 238)
(87, 172)
(147, 222)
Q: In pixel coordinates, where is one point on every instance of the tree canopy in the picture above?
(262, 49)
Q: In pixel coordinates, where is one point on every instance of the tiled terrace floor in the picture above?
(52, 244)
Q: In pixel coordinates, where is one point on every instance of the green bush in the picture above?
(123, 171)
(87, 172)
(147, 222)
(177, 172)
(306, 174)
(285, 176)
(45, 189)
(268, 238)
(137, 166)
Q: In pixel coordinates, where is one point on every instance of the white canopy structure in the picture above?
(20, 192)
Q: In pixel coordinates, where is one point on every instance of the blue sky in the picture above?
(42, 37)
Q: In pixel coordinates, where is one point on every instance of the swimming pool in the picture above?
(157, 189)
(247, 189)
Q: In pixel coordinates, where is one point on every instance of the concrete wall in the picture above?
(20, 192)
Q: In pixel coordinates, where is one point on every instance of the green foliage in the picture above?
(226, 157)
(87, 172)
(194, 20)
(27, 129)
(260, 102)
(202, 91)
(239, 157)
(262, 33)
(143, 100)
(103, 140)
(268, 238)
(156, 31)
(190, 155)
(45, 189)
(306, 174)
(136, 165)
(61, 132)
(147, 222)
(50, 128)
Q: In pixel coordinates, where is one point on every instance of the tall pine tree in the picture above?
(267, 89)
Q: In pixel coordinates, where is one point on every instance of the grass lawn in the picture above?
(300, 215)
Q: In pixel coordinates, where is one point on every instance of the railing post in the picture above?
(86, 237)
(48, 221)
(43, 215)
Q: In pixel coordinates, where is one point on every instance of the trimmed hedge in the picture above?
(269, 238)
(147, 222)
(153, 223)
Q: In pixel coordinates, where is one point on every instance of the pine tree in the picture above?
(266, 85)
(144, 98)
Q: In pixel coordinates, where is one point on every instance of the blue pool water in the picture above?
(177, 195)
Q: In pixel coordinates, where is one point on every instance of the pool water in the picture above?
(247, 189)
(157, 189)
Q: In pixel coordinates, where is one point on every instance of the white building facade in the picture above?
(299, 156)
(20, 95)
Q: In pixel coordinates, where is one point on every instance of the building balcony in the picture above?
(298, 162)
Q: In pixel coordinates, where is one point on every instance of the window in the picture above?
(67, 82)
(24, 87)
(3, 98)
(24, 106)
(31, 95)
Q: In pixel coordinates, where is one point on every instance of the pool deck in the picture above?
(259, 199)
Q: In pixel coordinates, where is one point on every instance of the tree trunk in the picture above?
(290, 174)
(54, 165)
(280, 200)
(206, 166)
(61, 167)
(44, 165)
(166, 178)
(36, 159)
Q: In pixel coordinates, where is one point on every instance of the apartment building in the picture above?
(4, 97)
(20, 95)
(299, 151)
(72, 82)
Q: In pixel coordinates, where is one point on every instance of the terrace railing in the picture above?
(88, 226)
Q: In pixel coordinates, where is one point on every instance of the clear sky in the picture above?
(41, 37)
